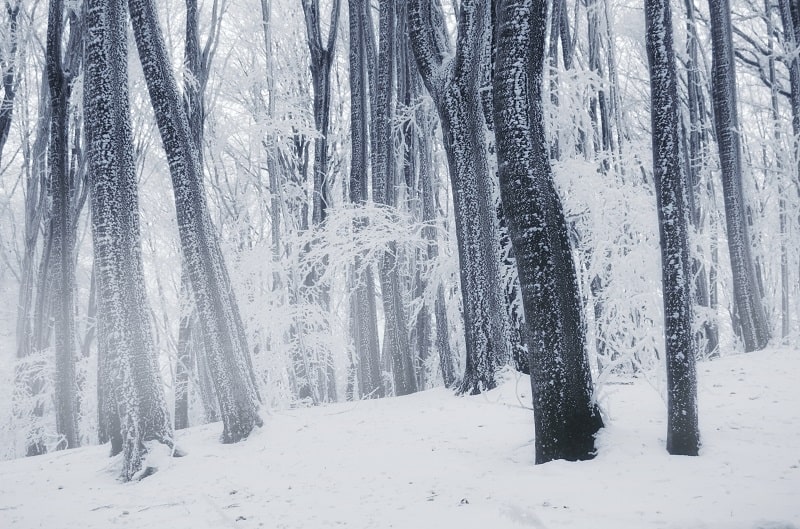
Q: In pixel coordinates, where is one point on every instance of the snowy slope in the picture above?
(432, 460)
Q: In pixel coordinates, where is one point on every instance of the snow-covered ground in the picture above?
(432, 460)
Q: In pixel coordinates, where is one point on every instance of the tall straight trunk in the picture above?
(36, 197)
(683, 437)
(566, 418)
(129, 359)
(363, 314)
(749, 304)
(453, 82)
(65, 337)
(218, 313)
(396, 344)
(782, 208)
(321, 61)
(698, 142)
(9, 73)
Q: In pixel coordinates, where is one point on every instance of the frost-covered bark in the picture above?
(321, 61)
(8, 69)
(363, 316)
(453, 82)
(749, 305)
(218, 314)
(28, 307)
(135, 405)
(683, 437)
(566, 418)
(698, 142)
(62, 189)
(396, 344)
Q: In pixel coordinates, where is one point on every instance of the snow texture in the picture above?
(462, 462)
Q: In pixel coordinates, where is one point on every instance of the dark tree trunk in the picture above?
(321, 61)
(63, 269)
(9, 72)
(454, 84)
(364, 325)
(753, 320)
(566, 418)
(683, 437)
(696, 161)
(218, 313)
(395, 341)
(135, 406)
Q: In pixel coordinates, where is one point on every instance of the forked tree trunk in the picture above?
(683, 437)
(565, 414)
(454, 82)
(129, 362)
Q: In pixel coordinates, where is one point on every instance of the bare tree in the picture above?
(363, 315)
(218, 313)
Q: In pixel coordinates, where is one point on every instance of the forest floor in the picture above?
(433, 460)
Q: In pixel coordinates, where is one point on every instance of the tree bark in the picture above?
(749, 305)
(218, 313)
(364, 325)
(566, 417)
(453, 82)
(135, 405)
(683, 437)
(63, 270)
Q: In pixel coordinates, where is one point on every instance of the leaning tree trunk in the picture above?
(683, 437)
(63, 270)
(218, 313)
(130, 360)
(566, 417)
(749, 305)
(454, 82)
(363, 315)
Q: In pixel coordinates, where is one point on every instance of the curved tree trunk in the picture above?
(454, 85)
(565, 415)
(218, 313)
(135, 404)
